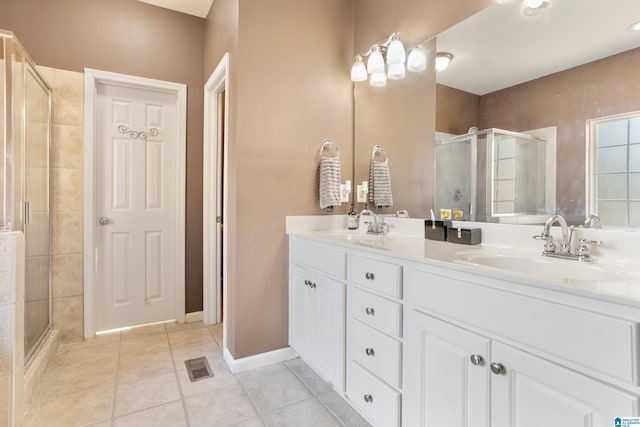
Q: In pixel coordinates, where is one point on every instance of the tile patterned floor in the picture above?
(138, 378)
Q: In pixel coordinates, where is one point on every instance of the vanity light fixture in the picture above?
(384, 60)
(443, 59)
(534, 7)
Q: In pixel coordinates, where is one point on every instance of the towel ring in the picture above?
(377, 150)
(327, 145)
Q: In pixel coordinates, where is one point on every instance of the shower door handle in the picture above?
(103, 220)
(27, 212)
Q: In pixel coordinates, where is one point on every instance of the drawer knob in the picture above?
(312, 285)
(369, 276)
(307, 282)
(368, 398)
(497, 368)
(369, 352)
(476, 360)
(370, 311)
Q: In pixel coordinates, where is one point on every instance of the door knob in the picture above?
(476, 360)
(497, 368)
(103, 220)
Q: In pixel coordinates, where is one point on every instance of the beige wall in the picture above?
(130, 37)
(456, 110)
(566, 100)
(292, 91)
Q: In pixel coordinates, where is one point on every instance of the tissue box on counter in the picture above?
(436, 230)
(465, 236)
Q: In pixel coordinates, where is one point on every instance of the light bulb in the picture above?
(378, 79)
(375, 64)
(396, 71)
(417, 60)
(534, 7)
(443, 60)
(358, 69)
(395, 52)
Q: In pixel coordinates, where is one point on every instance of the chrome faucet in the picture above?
(375, 225)
(592, 221)
(582, 251)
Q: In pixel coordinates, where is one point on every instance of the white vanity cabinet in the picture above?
(374, 338)
(473, 357)
(317, 308)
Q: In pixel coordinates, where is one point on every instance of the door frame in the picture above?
(217, 83)
(92, 78)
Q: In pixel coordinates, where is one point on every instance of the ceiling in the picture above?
(498, 48)
(191, 7)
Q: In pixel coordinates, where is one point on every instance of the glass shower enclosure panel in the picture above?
(25, 122)
(493, 175)
(36, 221)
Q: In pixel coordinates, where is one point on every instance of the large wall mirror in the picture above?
(576, 63)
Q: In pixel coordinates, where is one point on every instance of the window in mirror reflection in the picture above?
(614, 181)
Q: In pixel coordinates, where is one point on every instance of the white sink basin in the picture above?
(547, 268)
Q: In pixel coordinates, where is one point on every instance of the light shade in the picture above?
(534, 7)
(417, 60)
(396, 71)
(443, 59)
(395, 52)
(378, 79)
(358, 69)
(375, 64)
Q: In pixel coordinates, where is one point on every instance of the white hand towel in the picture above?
(380, 184)
(330, 182)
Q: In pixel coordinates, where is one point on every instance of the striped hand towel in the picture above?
(380, 184)
(330, 182)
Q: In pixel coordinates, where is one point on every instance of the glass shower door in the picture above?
(36, 210)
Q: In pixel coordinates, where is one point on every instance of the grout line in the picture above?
(183, 399)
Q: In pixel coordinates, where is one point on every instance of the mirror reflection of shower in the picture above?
(496, 175)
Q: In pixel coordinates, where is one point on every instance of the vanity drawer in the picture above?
(379, 403)
(323, 259)
(375, 351)
(376, 311)
(376, 275)
(601, 343)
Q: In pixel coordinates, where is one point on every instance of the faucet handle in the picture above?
(583, 250)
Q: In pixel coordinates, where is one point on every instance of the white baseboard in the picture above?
(258, 360)
(196, 316)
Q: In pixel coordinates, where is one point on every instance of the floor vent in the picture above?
(198, 369)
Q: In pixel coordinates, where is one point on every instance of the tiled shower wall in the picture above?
(66, 201)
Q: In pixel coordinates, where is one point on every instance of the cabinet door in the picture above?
(533, 392)
(301, 311)
(329, 299)
(442, 385)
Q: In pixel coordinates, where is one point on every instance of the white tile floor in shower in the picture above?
(138, 378)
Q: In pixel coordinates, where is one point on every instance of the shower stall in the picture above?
(495, 175)
(25, 134)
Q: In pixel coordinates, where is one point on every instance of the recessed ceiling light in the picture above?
(635, 26)
(534, 7)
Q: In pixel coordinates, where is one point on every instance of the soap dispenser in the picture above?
(352, 219)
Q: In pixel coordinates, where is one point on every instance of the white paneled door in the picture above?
(135, 206)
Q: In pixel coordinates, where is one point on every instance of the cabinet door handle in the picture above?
(476, 360)
(369, 352)
(369, 276)
(312, 284)
(368, 398)
(370, 311)
(306, 283)
(497, 368)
